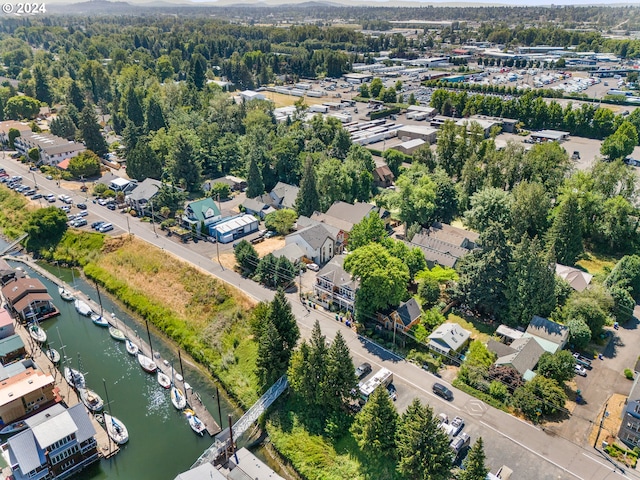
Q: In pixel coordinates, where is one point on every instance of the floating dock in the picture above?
(193, 399)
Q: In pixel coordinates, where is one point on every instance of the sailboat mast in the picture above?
(99, 297)
(149, 335)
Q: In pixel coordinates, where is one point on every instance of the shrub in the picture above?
(628, 373)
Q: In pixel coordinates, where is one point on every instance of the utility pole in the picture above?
(34, 179)
(128, 226)
(153, 223)
(218, 252)
(605, 414)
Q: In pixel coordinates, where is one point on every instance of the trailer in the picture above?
(382, 378)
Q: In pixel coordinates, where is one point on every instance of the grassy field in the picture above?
(479, 330)
(598, 263)
(205, 317)
(14, 210)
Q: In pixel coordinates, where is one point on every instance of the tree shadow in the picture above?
(611, 349)
(379, 351)
(631, 324)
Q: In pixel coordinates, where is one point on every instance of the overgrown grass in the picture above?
(206, 318)
(598, 264)
(76, 248)
(14, 212)
(479, 331)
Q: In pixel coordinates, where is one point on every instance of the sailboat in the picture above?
(164, 380)
(132, 348)
(177, 397)
(99, 320)
(91, 399)
(74, 377)
(147, 364)
(52, 354)
(194, 422)
(65, 294)
(115, 332)
(116, 429)
(37, 333)
(82, 307)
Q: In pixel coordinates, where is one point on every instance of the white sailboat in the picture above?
(37, 333)
(177, 398)
(116, 429)
(91, 399)
(194, 422)
(164, 380)
(53, 355)
(82, 307)
(132, 348)
(147, 364)
(65, 294)
(74, 377)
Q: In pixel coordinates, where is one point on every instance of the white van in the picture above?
(107, 227)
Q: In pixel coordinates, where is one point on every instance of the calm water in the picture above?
(161, 444)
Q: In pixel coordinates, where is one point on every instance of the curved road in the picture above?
(525, 448)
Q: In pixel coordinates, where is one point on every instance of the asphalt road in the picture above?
(532, 453)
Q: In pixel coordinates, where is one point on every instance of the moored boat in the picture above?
(82, 307)
(117, 334)
(195, 423)
(116, 429)
(91, 399)
(14, 427)
(74, 377)
(37, 333)
(177, 398)
(132, 348)
(99, 320)
(146, 363)
(65, 294)
(164, 380)
(53, 355)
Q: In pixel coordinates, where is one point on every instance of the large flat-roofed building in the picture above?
(550, 136)
(25, 392)
(23, 128)
(412, 132)
(52, 149)
(358, 77)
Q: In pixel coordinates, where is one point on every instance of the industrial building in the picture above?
(412, 132)
(233, 228)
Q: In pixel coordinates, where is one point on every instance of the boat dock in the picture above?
(193, 399)
(106, 447)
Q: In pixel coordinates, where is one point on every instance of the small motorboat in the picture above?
(195, 423)
(164, 380)
(177, 398)
(99, 320)
(74, 377)
(187, 386)
(117, 334)
(14, 427)
(116, 429)
(132, 348)
(82, 307)
(146, 363)
(37, 333)
(53, 355)
(91, 399)
(65, 294)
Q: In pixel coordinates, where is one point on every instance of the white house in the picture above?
(317, 242)
(449, 338)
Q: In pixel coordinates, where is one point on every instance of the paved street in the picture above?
(532, 453)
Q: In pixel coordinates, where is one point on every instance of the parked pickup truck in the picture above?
(582, 360)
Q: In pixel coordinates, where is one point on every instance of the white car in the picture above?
(580, 370)
(313, 267)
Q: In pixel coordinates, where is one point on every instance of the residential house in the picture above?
(449, 339)
(204, 471)
(522, 355)
(7, 327)
(58, 443)
(443, 244)
(629, 431)
(140, 197)
(23, 390)
(8, 273)
(7, 125)
(292, 252)
(199, 214)
(317, 241)
(551, 335)
(578, 279)
(259, 206)
(52, 149)
(383, 176)
(403, 318)
(120, 184)
(233, 228)
(236, 184)
(344, 216)
(12, 349)
(284, 195)
(28, 297)
(334, 286)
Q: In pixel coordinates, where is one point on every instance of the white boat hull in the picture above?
(178, 399)
(74, 377)
(132, 348)
(82, 307)
(117, 334)
(37, 333)
(53, 355)
(99, 320)
(91, 399)
(65, 294)
(116, 429)
(164, 380)
(196, 424)
(146, 363)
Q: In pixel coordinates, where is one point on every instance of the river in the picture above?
(161, 443)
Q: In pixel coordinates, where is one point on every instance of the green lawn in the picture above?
(598, 263)
(479, 331)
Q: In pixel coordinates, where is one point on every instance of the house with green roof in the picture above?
(12, 349)
(201, 213)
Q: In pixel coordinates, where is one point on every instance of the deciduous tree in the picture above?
(86, 164)
(282, 221)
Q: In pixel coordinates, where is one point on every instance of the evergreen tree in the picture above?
(142, 162)
(255, 186)
(90, 131)
(341, 376)
(266, 270)
(154, 116)
(530, 284)
(184, 163)
(42, 87)
(133, 107)
(246, 256)
(308, 200)
(475, 468)
(318, 353)
(285, 272)
(374, 427)
(273, 357)
(565, 234)
(423, 448)
(301, 383)
(75, 96)
(197, 70)
(284, 320)
(63, 126)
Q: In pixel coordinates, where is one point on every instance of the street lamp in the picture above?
(34, 179)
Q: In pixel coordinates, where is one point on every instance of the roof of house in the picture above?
(439, 245)
(23, 450)
(252, 467)
(82, 421)
(315, 235)
(51, 144)
(409, 311)
(578, 279)
(292, 252)
(434, 256)
(449, 334)
(508, 332)
(204, 471)
(23, 383)
(5, 318)
(234, 223)
(28, 299)
(334, 273)
(145, 190)
(462, 232)
(202, 209)
(383, 173)
(9, 124)
(548, 330)
(255, 205)
(499, 348)
(341, 225)
(19, 286)
(64, 164)
(55, 428)
(287, 194)
(10, 344)
(525, 355)
(351, 213)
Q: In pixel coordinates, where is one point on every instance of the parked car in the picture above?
(49, 177)
(270, 234)
(111, 206)
(81, 206)
(37, 196)
(65, 208)
(580, 370)
(458, 424)
(363, 370)
(442, 391)
(83, 213)
(313, 267)
(79, 222)
(107, 227)
(460, 444)
(97, 225)
(393, 394)
(51, 198)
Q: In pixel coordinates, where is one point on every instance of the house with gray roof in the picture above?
(52, 149)
(403, 318)
(449, 339)
(316, 241)
(443, 244)
(201, 213)
(284, 195)
(58, 443)
(140, 197)
(259, 206)
(522, 355)
(334, 286)
(629, 431)
(551, 335)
